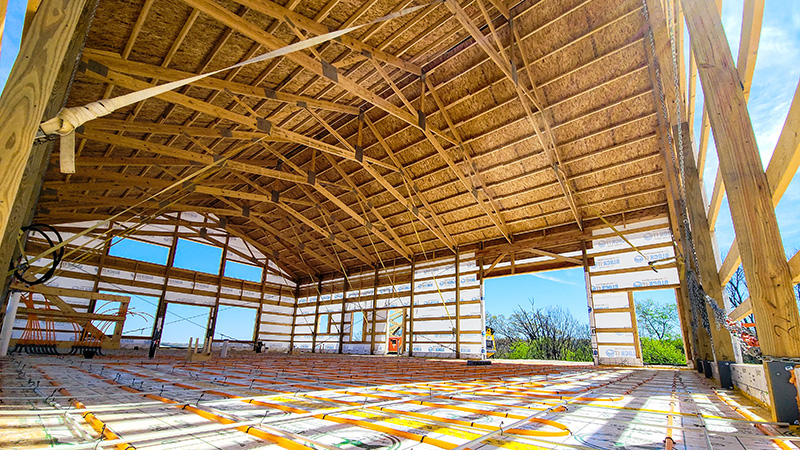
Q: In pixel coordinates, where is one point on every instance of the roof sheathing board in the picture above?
(589, 56)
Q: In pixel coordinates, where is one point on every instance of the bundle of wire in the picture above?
(24, 266)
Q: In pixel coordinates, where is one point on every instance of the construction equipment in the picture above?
(395, 343)
(491, 349)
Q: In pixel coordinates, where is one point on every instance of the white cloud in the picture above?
(553, 279)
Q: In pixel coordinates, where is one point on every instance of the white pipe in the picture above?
(8, 321)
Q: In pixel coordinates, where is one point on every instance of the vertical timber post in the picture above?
(763, 258)
(701, 233)
(663, 64)
(260, 311)
(458, 303)
(689, 340)
(637, 343)
(587, 279)
(294, 315)
(374, 322)
(482, 305)
(345, 287)
(315, 330)
(411, 311)
(211, 327)
(106, 247)
(161, 310)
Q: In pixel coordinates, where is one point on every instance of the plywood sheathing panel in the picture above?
(587, 56)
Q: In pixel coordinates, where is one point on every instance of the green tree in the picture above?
(667, 351)
(657, 321)
(658, 333)
(541, 333)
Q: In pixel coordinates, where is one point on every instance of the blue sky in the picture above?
(565, 288)
(15, 16)
(776, 76)
(560, 287)
(185, 321)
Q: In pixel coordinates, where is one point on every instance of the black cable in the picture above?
(23, 267)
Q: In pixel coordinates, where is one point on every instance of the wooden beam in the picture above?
(768, 278)
(525, 96)
(782, 167)
(68, 292)
(118, 64)
(409, 184)
(411, 305)
(359, 252)
(3, 9)
(315, 329)
(470, 163)
(794, 267)
(76, 316)
(458, 302)
(36, 86)
(255, 123)
(359, 193)
(752, 17)
(703, 244)
(660, 64)
(343, 306)
(554, 255)
(743, 310)
(397, 246)
(495, 263)
(497, 220)
(271, 42)
(199, 158)
(705, 127)
(488, 155)
(374, 317)
(281, 13)
(295, 248)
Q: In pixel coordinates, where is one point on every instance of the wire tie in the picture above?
(200, 398)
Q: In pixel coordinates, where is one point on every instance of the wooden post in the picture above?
(763, 258)
(211, 326)
(481, 265)
(37, 88)
(658, 25)
(294, 315)
(315, 329)
(374, 322)
(411, 311)
(345, 286)
(458, 303)
(587, 280)
(704, 246)
(257, 326)
(686, 329)
(106, 248)
(161, 310)
(637, 344)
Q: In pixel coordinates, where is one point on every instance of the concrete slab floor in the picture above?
(260, 401)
